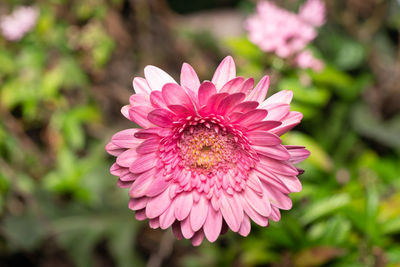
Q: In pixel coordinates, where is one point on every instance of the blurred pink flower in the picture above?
(209, 156)
(19, 22)
(285, 33)
(313, 12)
(305, 59)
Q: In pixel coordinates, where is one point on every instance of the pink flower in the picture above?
(313, 12)
(277, 30)
(17, 24)
(305, 59)
(285, 33)
(208, 156)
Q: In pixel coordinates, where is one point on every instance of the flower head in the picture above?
(208, 156)
(277, 30)
(17, 24)
(285, 33)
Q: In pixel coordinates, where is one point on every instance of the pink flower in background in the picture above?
(282, 32)
(305, 59)
(313, 12)
(20, 22)
(208, 156)
(277, 30)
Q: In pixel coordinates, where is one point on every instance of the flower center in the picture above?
(207, 148)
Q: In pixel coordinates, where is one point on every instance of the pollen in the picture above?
(207, 149)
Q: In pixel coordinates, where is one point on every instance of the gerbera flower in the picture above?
(19, 22)
(208, 156)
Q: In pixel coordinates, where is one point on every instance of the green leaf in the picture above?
(324, 207)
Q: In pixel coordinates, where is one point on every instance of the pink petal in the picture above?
(126, 138)
(168, 217)
(290, 121)
(233, 86)
(275, 214)
(257, 202)
(213, 103)
(158, 205)
(148, 146)
(291, 182)
(278, 152)
(206, 90)
(180, 111)
(173, 94)
(127, 158)
(144, 163)
(255, 216)
(157, 186)
(227, 104)
(245, 106)
(138, 203)
(277, 111)
(157, 99)
(247, 86)
(147, 133)
(142, 182)
(277, 166)
(139, 100)
(252, 117)
(198, 238)
(161, 117)
(198, 214)
(139, 115)
(225, 72)
(228, 213)
(269, 179)
(189, 77)
(186, 228)
(141, 86)
(128, 177)
(213, 224)
(157, 78)
(140, 215)
(278, 199)
(183, 205)
(263, 125)
(260, 91)
(263, 138)
(245, 226)
(114, 150)
(297, 154)
(154, 223)
(282, 97)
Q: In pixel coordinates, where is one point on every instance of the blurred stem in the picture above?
(165, 249)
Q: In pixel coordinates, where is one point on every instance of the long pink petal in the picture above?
(233, 86)
(158, 205)
(297, 154)
(189, 78)
(255, 216)
(247, 86)
(138, 203)
(245, 106)
(183, 205)
(281, 167)
(256, 201)
(168, 217)
(278, 199)
(161, 117)
(198, 214)
(144, 163)
(245, 226)
(206, 90)
(290, 121)
(114, 150)
(213, 224)
(227, 104)
(260, 91)
(198, 238)
(127, 158)
(148, 146)
(278, 152)
(225, 72)
(276, 112)
(157, 186)
(141, 86)
(142, 182)
(251, 117)
(186, 228)
(126, 138)
(263, 138)
(157, 100)
(139, 115)
(157, 78)
(263, 125)
(173, 94)
(282, 97)
(228, 214)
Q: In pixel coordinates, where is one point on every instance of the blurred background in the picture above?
(63, 83)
